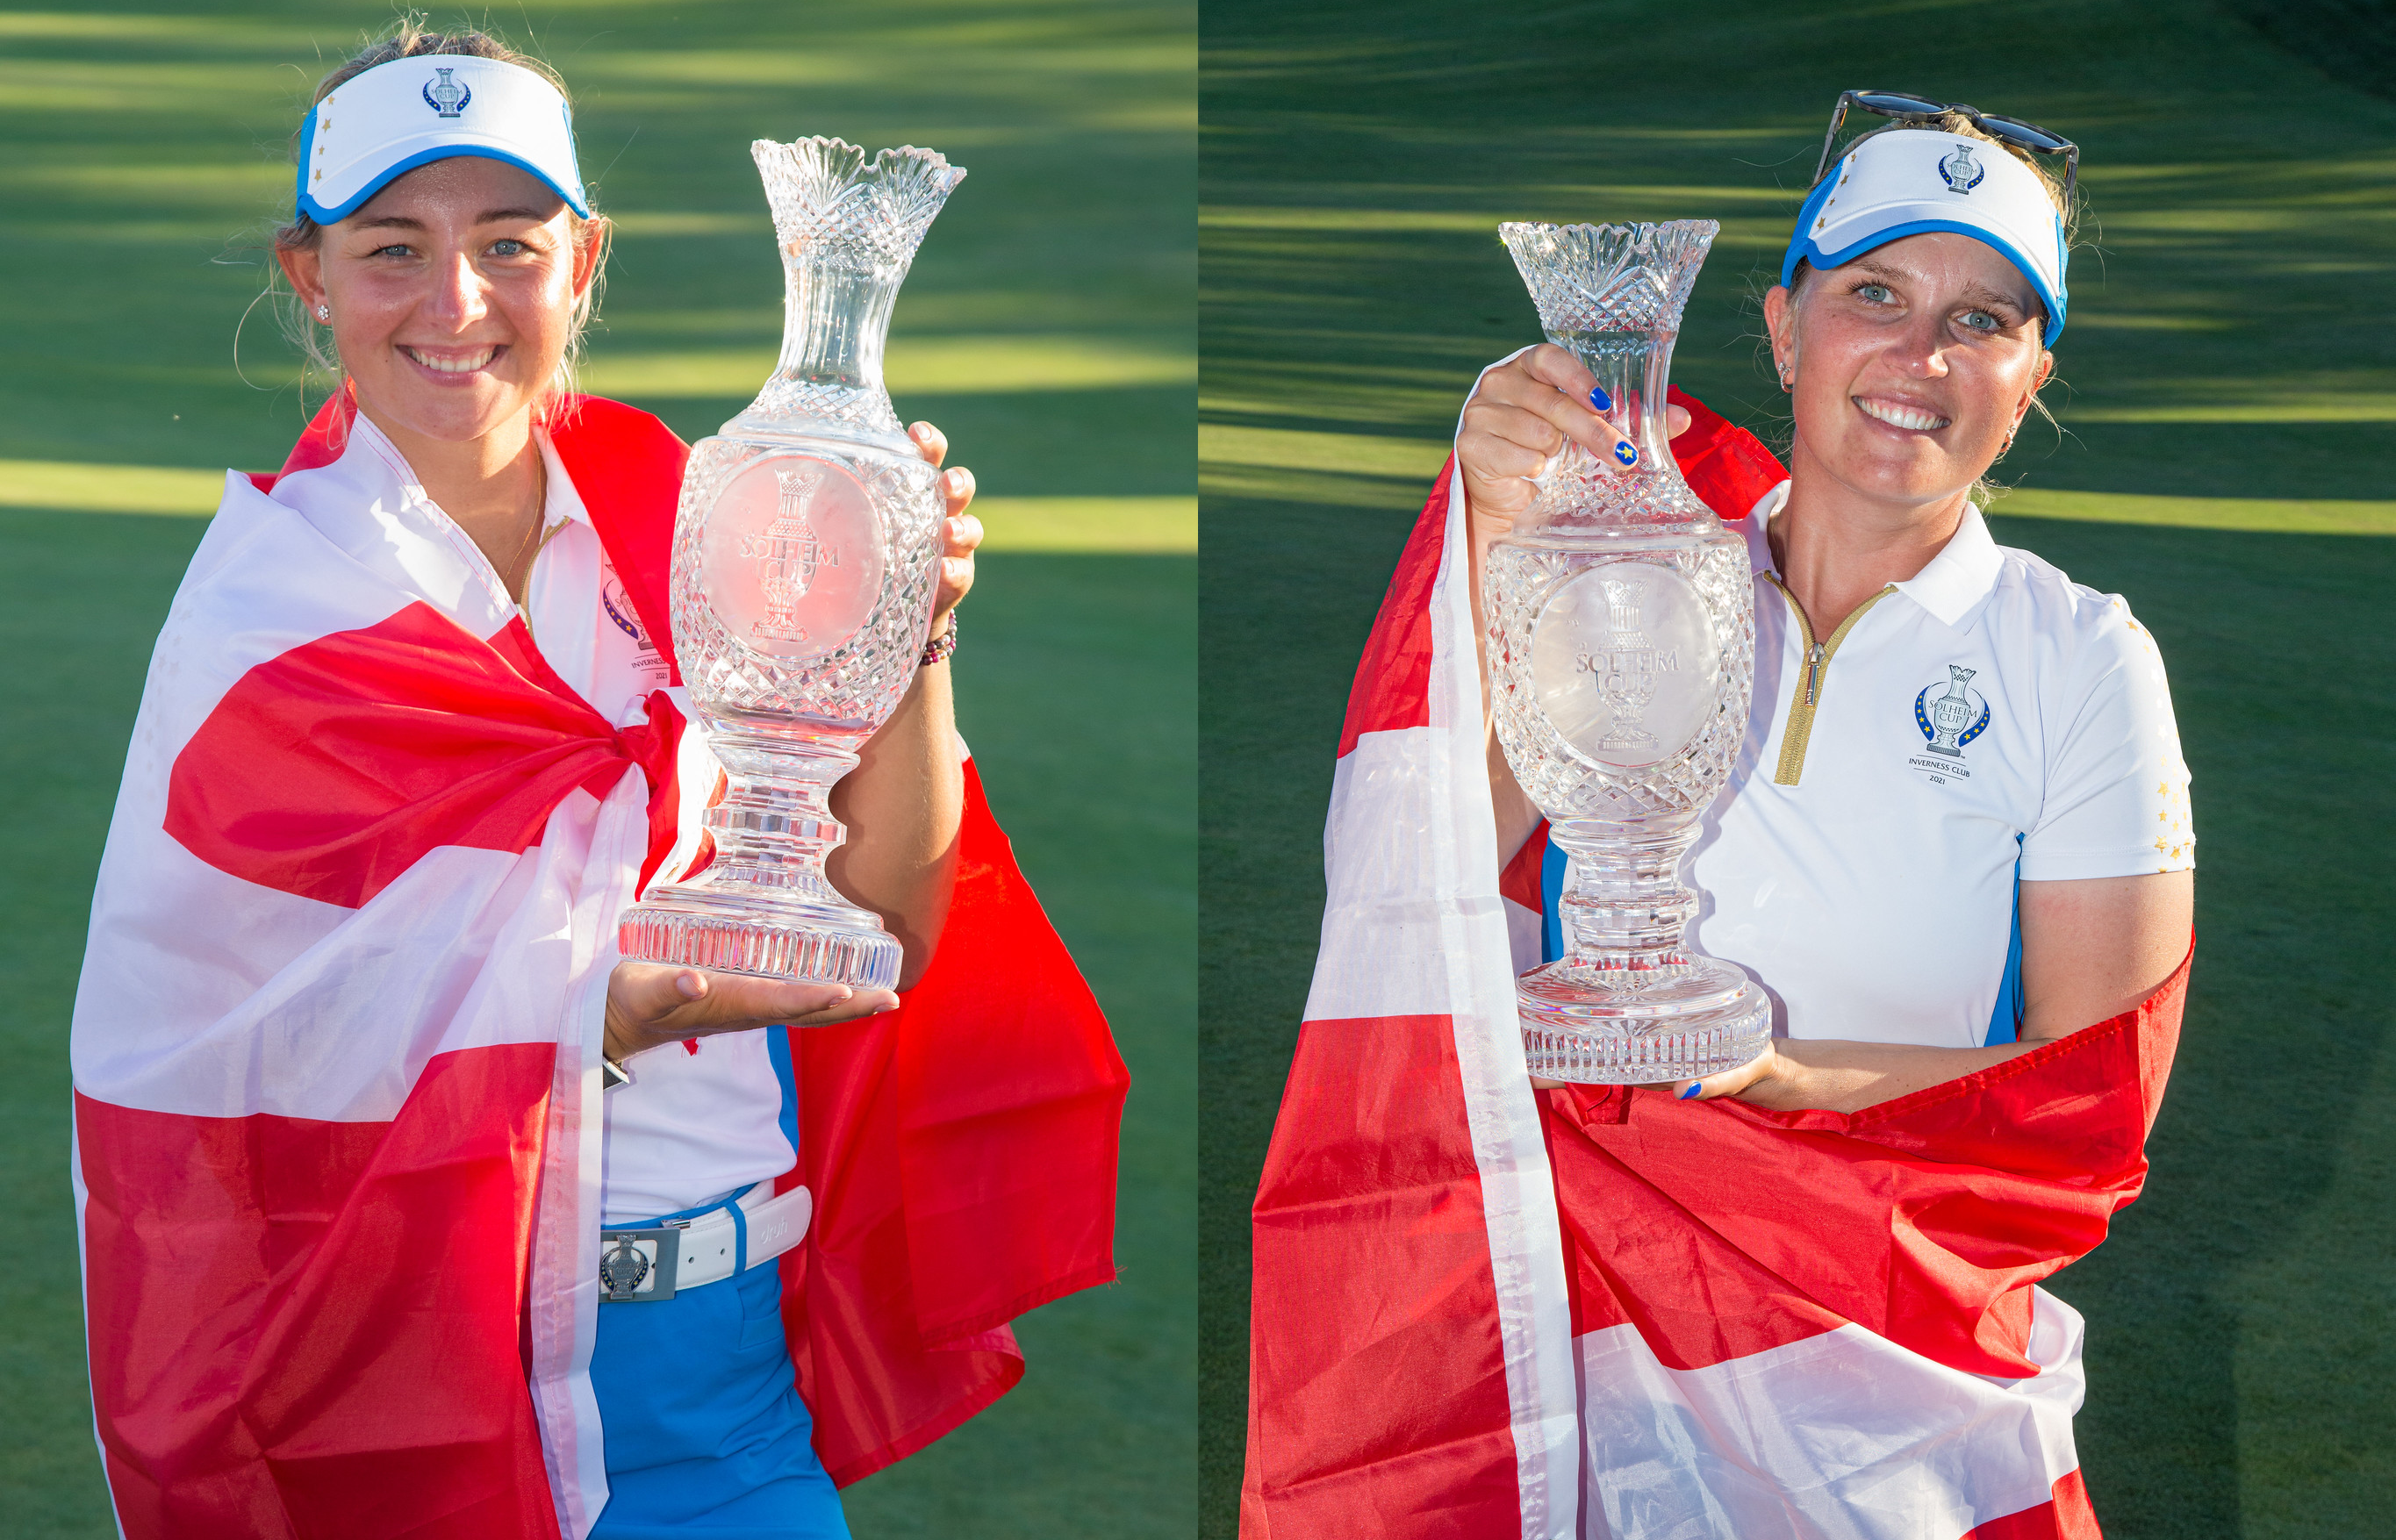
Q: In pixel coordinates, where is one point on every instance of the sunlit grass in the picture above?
(946, 366)
(195, 184)
(923, 310)
(1293, 449)
(1122, 526)
(2262, 406)
(2269, 515)
(82, 489)
(1118, 525)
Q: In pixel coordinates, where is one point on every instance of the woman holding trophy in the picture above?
(412, 1201)
(1762, 1250)
(1911, 356)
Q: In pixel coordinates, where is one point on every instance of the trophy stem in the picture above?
(764, 905)
(774, 827)
(1626, 907)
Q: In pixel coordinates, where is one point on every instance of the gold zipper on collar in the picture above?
(1808, 695)
(523, 607)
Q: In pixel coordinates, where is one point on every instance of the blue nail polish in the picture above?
(1695, 1086)
(1599, 399)
(1627, 452)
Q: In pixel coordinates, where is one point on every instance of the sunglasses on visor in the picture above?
(1905, 107)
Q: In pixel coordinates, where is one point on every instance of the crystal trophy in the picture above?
(1621, 655)
(805, 555)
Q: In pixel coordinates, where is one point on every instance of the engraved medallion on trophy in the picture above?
(1622, 650)
(805, 558)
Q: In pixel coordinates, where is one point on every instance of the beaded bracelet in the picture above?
(942, 646)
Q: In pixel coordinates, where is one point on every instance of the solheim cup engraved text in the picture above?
(788, 555)
(1621, 648)
(1626, 670)
(1623, 664)
(793, 557)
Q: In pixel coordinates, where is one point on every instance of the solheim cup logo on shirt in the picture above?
(1950, 720)
(618, 606)
(1961, 171)
(446, 97)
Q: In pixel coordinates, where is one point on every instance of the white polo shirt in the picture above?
(698, 1121)
(1874, 898)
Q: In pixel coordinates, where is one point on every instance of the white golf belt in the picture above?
(709, 1245)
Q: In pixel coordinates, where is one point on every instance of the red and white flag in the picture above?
(1482, 1311)
(335, 1053)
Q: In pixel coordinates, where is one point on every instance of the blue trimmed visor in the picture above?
(397, 116)
(1905, 182)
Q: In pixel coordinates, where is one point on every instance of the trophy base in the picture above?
(687, 928)
(1632, 1027)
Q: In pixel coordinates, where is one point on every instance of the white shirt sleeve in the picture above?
(2116, 801)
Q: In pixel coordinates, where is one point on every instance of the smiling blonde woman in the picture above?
(1799, 1295)
(1871, 885)
(408, 1205)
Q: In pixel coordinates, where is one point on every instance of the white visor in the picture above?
(397, 116)
(1904, 182)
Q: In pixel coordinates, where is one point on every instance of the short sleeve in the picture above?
(2116, 798)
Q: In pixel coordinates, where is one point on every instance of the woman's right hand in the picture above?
(1521, 413)
(650, 1004)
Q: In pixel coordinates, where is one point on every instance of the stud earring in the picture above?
(324, 312)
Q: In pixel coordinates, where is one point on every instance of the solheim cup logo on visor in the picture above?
(445, 96)
(1949, 721)
(1961, 171)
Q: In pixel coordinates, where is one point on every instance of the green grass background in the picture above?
(2227, 467)
(1046, 328)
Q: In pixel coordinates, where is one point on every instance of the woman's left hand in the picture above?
(1835, 1075)
(961, 534)
(1771, 1079)
(1768, 1080)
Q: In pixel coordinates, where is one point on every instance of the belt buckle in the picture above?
(636, 1266)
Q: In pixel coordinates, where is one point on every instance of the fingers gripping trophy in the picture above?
(1621, 646)
(805, 558)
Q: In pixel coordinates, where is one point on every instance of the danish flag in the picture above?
(335, 1053)
(1485, 1312)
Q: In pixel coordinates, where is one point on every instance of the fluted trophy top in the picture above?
(831, 205)
(1620, 278)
